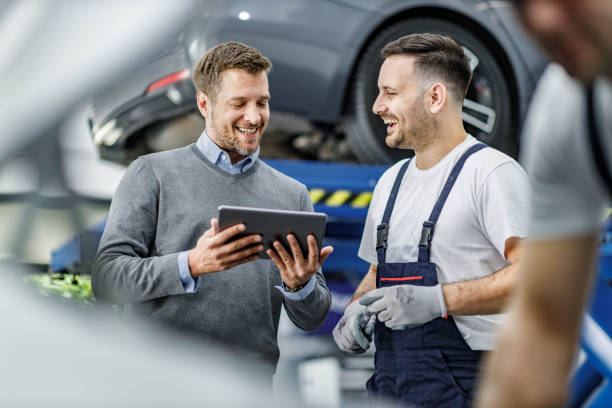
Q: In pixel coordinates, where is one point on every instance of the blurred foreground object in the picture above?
(54, 355)
(55, 55)
(567, 152)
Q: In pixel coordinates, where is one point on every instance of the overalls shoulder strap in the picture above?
(595, 139)
(382, 230)
(428, 226)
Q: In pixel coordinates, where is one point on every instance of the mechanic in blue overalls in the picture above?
(441, 235)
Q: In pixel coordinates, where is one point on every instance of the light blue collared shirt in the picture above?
(221, 159)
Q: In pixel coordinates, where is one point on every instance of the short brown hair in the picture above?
(437, 56)
(229, 55)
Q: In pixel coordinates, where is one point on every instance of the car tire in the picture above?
(490, 106)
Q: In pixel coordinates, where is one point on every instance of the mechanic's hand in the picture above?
(403, 306)
(213, 253)
(295, 270)
(353, 333)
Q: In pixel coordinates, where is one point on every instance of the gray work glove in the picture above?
(403, 306)
(353, 333)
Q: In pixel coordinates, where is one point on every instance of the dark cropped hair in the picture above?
(436, 56)
(229, 55)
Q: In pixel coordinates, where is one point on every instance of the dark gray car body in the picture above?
(315, 46)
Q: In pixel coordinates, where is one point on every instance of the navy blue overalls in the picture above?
(429, 365)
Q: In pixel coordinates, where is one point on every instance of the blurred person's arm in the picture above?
(531, 363)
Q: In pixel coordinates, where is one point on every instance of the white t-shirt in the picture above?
(569, 197)
(487, 205)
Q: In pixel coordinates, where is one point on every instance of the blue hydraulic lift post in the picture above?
(591, 383)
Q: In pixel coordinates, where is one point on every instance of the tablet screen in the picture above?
(274, 225)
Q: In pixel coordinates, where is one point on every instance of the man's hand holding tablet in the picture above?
(296, 270)
(213, 253)
(291, 239)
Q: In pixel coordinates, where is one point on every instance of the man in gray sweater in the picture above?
(161, 252)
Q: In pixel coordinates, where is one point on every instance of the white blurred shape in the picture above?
(320, 382)
(18, 176)
(85, 173)
(54, 355)
(18, 23)
(56, 53)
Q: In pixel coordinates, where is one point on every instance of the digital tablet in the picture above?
(274, 225)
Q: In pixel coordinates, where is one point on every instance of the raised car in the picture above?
(326, 57)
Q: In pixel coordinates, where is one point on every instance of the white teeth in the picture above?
(388, 121)
(245, 130)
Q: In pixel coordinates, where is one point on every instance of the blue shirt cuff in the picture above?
(189, 284)
(302, 293)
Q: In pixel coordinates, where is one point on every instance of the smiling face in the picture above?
(401, 104)
(238, 114)
(575, 33)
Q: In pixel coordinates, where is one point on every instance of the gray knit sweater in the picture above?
(161, 207)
